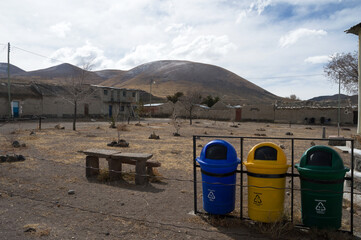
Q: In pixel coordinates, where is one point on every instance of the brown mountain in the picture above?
(53, 74)
(169, 77)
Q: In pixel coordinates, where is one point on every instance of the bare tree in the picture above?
(79, 88)
(293, 97)
(189, 101)
(342, 68)
(176, 124)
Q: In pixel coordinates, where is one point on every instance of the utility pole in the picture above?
(150, 98)
(9, 81)
(338, 109)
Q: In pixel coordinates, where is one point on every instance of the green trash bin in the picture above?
(322, 178)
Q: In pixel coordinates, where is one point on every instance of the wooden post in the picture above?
(359, 82)
(357, 31)
(92, 166)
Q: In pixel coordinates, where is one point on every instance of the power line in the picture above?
(38, 54)
(294, 76)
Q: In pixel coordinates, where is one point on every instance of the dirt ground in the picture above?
(47, 196)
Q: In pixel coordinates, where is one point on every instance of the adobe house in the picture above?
(52, 101)
(313, 112)
(21, 96)
(222, 111)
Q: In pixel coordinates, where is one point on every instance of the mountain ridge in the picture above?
(166, 77)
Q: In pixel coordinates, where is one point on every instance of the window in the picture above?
(133, 94)
(105, 92)
(122, 108)
(124, 93)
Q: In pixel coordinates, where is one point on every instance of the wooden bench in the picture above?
(143, 166)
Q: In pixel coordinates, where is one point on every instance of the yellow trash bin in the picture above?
(266, 169)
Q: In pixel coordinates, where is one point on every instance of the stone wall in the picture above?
(313, 115)
(258, 113)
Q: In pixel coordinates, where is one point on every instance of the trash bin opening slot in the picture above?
(216, 152)
(259, 175)
(265, 153)
(319, 158)
(218, 174)
(336, 181)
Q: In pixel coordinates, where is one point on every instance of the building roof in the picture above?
(19, 91)
(312, 104)
(153, 105)
(100, 86)
(355, 29)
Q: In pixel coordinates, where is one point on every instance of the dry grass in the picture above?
(122, 127)
(103, 175)
(39, 230)
(324, 234)
(275, 230)
(174, 153)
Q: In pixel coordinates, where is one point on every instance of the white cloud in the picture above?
(61, 29)
(293, 36)
(204, 48)
(241, 36)
(259, 5)
(318, 59)
(83, 55)
(142, 54)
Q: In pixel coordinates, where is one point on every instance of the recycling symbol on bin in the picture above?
(257, 200)
(320, 208)
(211, 195)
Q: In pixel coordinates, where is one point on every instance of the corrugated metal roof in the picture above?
(153, 105)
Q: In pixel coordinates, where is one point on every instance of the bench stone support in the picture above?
(140, 170)
(92, 166)
(115, 169)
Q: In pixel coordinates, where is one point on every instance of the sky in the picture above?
(279, 45)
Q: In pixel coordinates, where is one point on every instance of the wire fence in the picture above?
(163, 178)
(195, 182)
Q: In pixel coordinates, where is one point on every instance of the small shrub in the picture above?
(103, 175)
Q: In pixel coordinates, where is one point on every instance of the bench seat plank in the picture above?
(135, 156)
(101, 153)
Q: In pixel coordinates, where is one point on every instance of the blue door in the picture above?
(15, 105)
(110, 110)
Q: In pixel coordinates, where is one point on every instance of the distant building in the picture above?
(39, 99)
(301, 112)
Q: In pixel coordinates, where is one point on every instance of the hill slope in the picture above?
(169, 77)
(54, 74)
(13, 70)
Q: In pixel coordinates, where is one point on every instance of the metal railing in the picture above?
(291, 175)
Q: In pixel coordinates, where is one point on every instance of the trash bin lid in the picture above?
(321, 158)
(218, 152)
(266, 153)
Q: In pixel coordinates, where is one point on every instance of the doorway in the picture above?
(15, 108)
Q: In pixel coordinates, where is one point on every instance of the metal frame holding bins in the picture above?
(292, 175)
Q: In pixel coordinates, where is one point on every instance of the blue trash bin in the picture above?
(218, 162)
